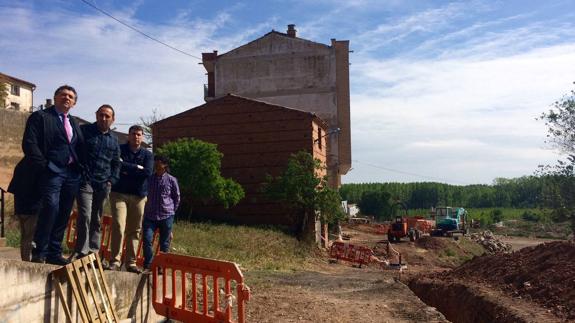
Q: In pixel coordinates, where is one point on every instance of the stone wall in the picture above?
(28, 294)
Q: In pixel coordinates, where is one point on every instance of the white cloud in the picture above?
(479, 114)
(107, 62)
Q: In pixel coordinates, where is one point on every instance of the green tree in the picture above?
(559, 189)
(303, 192)
(497, 215)
(376, 203)
(197, 165)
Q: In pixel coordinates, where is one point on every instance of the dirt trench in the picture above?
(532, 284)
(464, 302)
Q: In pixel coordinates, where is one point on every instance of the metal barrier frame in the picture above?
(171, 296)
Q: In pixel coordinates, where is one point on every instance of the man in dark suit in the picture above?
(53, 150)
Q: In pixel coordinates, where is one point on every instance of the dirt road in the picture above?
(522, 242)
(340, 292)
(335, 293)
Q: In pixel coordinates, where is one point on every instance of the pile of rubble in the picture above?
(490, 242)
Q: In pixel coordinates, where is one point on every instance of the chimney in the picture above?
(291, 30)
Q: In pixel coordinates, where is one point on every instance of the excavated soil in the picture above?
(533, 284)
(544, 274)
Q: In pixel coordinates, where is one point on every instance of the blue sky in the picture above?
(440, 90)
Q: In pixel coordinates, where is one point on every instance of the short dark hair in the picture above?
(136, 127)
(66, 87)
(107, 106)
(163, 159)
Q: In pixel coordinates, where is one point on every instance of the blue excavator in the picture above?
(449, 220)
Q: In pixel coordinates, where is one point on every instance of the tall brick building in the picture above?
(256, 139)
(283, 69)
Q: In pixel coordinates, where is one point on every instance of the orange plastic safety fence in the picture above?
(71, 234)
(348, 252)
(193, 289)
(106, 238)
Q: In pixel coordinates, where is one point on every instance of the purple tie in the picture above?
(69, 133)
(67, 127)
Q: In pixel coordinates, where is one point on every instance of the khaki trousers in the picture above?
(127, 214)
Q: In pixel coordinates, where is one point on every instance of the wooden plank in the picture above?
(85, 265)
(80, 284)
(57, 276)
(80, 301)
(106, 288)
(79, 273)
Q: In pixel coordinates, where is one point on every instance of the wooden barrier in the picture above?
(89, 288)
(193, 289)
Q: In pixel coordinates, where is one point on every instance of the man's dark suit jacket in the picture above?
(45, 147)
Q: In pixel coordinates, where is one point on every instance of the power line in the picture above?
(408, 173)
(139, 31)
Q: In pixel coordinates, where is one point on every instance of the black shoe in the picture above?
(38, 260)
(133, 269)
(60, 261)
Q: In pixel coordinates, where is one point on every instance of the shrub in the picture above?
(530, 216)
(497, 215)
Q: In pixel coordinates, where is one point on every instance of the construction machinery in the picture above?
(398, 229)
(412, 227)
(449, 220)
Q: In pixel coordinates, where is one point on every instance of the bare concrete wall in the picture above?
(296, 73)
(27, 294)
(12, 124)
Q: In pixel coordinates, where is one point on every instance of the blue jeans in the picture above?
(58, 193)
(148, 228)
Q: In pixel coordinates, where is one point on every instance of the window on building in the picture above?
(14, 90)
(319, 137)
(15, 105)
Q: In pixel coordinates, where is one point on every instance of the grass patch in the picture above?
(12, 237)
(253, 248)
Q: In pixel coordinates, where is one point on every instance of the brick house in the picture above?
(256, 138)
(287, 70)
(20, 93)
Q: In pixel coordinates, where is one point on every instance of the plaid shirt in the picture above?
(103, 156)
(163, 197)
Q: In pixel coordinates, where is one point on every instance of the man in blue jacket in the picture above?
(53, 156)
(128, 199)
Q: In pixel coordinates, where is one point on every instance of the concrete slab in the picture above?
(28, 294)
